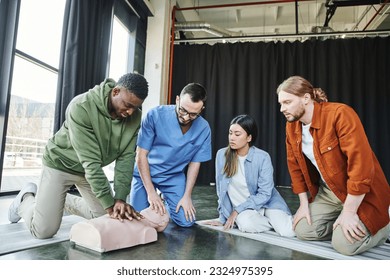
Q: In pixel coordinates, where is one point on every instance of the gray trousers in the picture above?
(324, 211)
(43, 213)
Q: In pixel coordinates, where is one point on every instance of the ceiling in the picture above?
(200, 20)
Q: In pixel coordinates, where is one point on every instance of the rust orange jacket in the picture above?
(345, 160)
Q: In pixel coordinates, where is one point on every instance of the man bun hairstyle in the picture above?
(300, 86)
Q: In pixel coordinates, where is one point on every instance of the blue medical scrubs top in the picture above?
(170, 151)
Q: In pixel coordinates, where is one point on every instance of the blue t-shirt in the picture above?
(170, 151)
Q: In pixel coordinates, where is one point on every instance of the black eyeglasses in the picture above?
(183, 112)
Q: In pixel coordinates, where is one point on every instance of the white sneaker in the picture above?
(13, 215)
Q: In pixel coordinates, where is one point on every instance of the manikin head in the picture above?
(155, 220)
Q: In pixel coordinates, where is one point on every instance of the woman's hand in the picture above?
(214, 223)
(230, 221)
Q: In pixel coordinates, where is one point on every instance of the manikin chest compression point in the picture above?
(105, 234)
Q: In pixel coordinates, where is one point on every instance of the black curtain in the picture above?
(243, 77)
(84, 52)
(9, 10)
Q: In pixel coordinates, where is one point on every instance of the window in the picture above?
(31, 108)
(119, 58)
(33, 91)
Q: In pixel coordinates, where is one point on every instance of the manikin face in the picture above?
(124, 103)
(292, 106)
(238, 138)
(187, 111)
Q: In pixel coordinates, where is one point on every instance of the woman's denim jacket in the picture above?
(260, 182)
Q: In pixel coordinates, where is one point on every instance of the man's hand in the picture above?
(188, 208)
(302, 212)
(121, 211)
(350, 225)
(156, 203)
(349, 220)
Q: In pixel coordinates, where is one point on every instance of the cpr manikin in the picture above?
(105, 234)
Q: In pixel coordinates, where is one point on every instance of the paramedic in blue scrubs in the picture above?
(173, 139)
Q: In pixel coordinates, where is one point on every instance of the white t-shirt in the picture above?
(307, 146)
(238, 189)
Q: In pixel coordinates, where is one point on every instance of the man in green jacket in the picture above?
(101, 126)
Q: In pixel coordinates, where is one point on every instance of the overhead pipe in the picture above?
(239, 4)
(361, 18)
(171, 54)
(289, 36)
(236, 5)
(377, 12)
(204, 26)
(209, 7)
(296, 17)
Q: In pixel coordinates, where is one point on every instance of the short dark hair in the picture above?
(136, 83)
(196, 91)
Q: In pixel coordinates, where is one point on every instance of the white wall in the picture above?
(157, 53)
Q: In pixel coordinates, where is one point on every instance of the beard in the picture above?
(295, 116)
(183, 122)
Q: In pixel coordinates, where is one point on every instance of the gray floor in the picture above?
(174, 243)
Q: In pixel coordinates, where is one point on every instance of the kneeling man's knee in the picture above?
(342, 245)
(303, 230)
(319, 230)
(183, 222)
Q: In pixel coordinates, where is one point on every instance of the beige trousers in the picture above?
(43, 213)
(324, 211)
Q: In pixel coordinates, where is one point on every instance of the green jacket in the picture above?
(90, 139)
